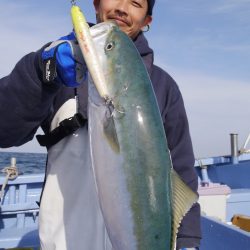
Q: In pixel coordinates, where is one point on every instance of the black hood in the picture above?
(145, 51)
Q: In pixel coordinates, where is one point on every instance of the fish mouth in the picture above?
(102, 29)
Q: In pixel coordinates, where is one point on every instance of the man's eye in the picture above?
(136, 4)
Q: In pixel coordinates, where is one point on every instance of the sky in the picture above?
(203, 44)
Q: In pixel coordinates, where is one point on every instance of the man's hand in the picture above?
(63, 62)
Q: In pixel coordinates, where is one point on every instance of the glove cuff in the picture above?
(49, 62)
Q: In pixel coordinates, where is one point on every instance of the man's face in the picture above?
(130, 15)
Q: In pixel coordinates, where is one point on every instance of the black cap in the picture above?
(150, 7)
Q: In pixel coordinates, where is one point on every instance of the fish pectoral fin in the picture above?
(110, 133)
(183, 199)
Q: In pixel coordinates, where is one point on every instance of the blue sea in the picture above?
(27, 163)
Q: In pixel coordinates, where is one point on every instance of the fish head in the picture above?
(117, 55)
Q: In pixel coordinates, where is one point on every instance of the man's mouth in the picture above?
(120, 21)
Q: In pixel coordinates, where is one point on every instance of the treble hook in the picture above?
(113, 110)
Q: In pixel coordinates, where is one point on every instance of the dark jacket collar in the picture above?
(145, 51)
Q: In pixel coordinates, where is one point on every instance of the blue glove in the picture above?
(63, 62)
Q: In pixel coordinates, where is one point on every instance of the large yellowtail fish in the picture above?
(142, 199)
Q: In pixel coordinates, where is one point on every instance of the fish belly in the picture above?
(133, 182)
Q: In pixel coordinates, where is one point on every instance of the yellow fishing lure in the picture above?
(87, 47)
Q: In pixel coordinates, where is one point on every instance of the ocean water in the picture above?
(27, 163)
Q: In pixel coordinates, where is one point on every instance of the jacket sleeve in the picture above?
(180, 145)
(25, 101)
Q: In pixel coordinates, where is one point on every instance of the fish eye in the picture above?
(110, 46)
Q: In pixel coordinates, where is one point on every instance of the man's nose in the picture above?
(122, 7)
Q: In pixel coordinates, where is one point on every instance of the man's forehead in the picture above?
(150, 3)
(98, 1)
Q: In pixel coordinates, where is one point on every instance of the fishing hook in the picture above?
(113, 109)
(73, 2)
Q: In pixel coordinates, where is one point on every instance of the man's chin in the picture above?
(125, 31)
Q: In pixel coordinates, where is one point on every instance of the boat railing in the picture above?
(227, 159)
(19, 211)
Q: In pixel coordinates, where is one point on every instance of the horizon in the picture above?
(205, 47)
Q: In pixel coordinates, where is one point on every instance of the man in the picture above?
(70, 216)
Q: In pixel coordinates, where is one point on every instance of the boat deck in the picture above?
(20, 211)
(217, 229)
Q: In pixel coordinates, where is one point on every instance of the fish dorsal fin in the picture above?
(182, 199)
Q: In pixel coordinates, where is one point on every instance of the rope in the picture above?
(243, 150)
(200, 162)
(11, 173)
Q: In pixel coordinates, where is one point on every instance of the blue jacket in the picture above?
(26, 103)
